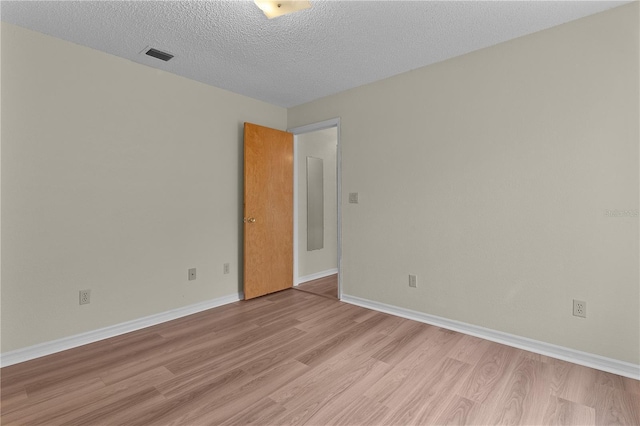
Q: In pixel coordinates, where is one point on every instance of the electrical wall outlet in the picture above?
(579, 308)
(413, 281)
(353, 197)
(225, 268)
(85, 297)
(192, 274)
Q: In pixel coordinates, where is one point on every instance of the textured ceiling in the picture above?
(334, 46)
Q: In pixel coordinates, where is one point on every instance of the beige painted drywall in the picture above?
(0, 192)
(116, 177)
(319, 144)
(490, 176)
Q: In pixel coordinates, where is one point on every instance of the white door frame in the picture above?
(327, 124)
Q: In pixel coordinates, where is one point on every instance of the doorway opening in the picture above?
(317, 244)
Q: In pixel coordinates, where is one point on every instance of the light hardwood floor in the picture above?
(327, 286)
(297, 358)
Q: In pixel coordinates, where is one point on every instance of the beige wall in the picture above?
(116, 177)
(319, 144)
(489, 176)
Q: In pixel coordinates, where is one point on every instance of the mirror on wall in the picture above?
(315, 204)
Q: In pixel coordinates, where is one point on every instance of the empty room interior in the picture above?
(356, 213)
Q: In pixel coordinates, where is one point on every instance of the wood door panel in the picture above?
(268, 198)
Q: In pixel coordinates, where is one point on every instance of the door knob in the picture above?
(250, 220)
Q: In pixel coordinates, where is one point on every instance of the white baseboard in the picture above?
(316, 276)
(48, 348)
(598, 362)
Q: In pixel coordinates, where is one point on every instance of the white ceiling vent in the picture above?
(163, 56)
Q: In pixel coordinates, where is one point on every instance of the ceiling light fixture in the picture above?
(273, 8)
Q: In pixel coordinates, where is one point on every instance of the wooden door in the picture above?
(268, 210)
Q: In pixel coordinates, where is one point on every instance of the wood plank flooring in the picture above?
(296, 358)
(327, 286)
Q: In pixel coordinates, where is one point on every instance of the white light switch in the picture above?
(353, 197)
